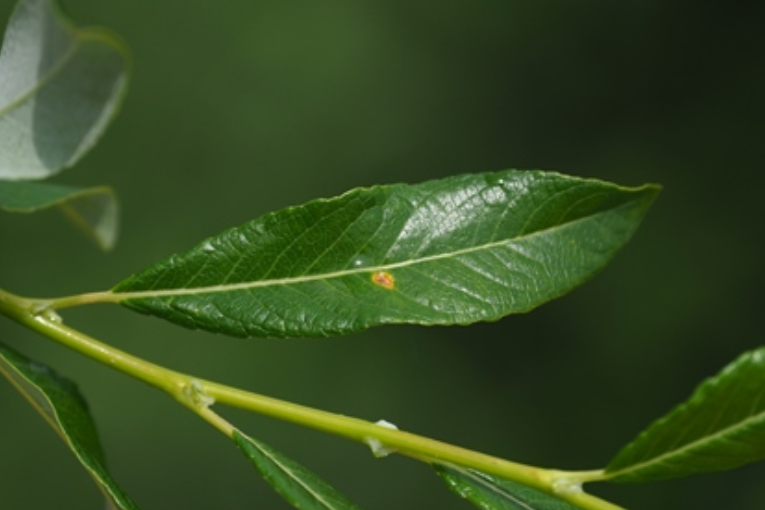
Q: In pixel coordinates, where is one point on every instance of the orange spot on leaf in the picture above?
(384, 280)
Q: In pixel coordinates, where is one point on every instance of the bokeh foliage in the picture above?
(239, 109)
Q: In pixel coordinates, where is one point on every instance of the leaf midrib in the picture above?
(51, 415)
(495, 488)
(687, 447)
(214, 289)
(290, 473)
(47, 78)
(16, 378)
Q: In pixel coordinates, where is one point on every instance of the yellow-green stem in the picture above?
(188, 390)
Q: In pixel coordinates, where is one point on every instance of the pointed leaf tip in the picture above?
(454, 251)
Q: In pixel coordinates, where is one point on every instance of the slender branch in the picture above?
(198, 394)
(42, 320)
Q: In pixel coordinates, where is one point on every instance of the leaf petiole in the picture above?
(89, 298)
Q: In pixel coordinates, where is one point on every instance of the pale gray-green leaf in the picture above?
(94, 210)
(300, 487)
(453, 251)
(722, 426)
(60, 403)
(59, 87)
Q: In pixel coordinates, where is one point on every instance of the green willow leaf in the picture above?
(491, 493)
(60, 403)
(296, 484)
(453, 251)
(92, 209)
(722, 426)
(59, 88)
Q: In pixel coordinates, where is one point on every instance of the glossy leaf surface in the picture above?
(722, 426)
(92, 209)
(59, 87)
(454, 251)
(491, 493)
(60, 403)
(296, 484)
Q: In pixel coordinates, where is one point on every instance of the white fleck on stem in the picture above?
(196, 393)
(378, 449)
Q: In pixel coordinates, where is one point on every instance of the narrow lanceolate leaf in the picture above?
(60, 403)
(454, 251)
(59, 87)
(722, 426)
(491, 493)
(92, 209)
(297, 485)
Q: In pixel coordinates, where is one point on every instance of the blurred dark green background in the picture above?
(241, 107)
